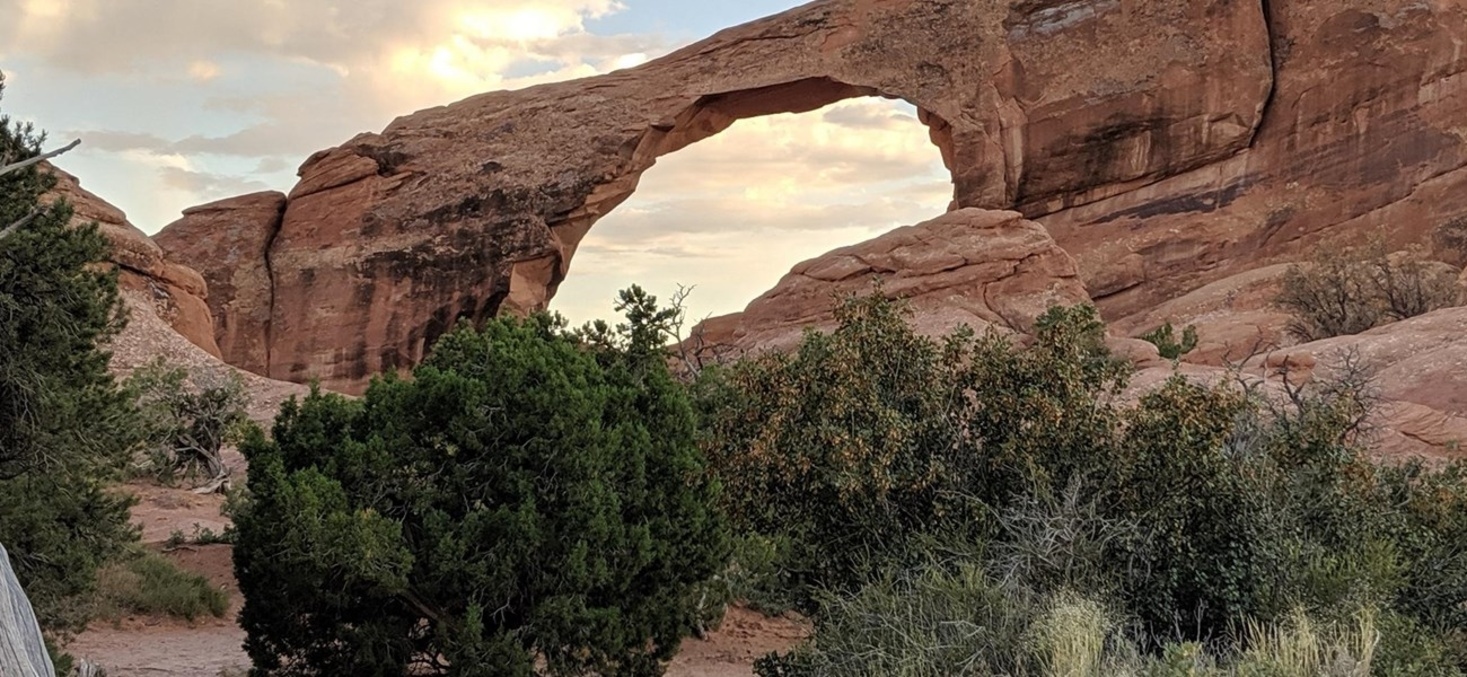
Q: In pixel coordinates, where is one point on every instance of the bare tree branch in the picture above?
(10, 229)
(38, 159)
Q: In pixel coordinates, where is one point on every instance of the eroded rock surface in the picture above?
(177, 292)
(983, 269)
(1235, 317)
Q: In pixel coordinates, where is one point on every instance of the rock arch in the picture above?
(476, 208)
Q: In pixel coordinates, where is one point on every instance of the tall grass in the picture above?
(148, 584)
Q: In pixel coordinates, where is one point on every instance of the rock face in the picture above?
(230, 241)
(1420, 366)
(477, 208)
(1166, 143)
(1362, 135)
(984, 269)
(177, 291)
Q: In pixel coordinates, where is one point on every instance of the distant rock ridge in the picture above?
(1164, 144)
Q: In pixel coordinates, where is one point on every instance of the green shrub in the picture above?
(526, 497)
(866, 438)
(146, 583)
(1165, 340)
(1186, 515)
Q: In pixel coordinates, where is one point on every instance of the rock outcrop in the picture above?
(229, 241)
(983, 269)
(1165, 143)
(1235, 317)
(177, 292)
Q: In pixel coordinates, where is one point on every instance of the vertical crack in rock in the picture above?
(269, 329)
(1273, 62)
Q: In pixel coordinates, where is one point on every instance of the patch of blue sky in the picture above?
(686, 19)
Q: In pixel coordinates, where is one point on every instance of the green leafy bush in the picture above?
(527, 497)
(865, 439)
(188, 418)
(1183, 516)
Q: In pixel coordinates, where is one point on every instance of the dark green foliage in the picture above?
(65, 427)
(526, 495)
(1165, 340)
(1197, 513)
(864, 439)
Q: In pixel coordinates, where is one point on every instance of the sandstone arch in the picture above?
(476, 208)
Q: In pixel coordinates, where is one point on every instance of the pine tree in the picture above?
(528, 495)
(65, 426)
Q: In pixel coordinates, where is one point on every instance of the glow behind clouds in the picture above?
(181, 102)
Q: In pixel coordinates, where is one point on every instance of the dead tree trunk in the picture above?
(22, 649)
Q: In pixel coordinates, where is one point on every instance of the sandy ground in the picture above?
(151, 647)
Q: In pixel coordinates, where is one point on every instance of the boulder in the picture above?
(1419, 366)
(177, 292)
(984, 269)
(229, 242)
(476, 208)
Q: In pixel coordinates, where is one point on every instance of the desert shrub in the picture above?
(1351, 290)
(527, 497)
(1166, 342)
(65, 427)
(865, 438)
(1185, 515)
(148, 584)
(1409, 284)
(188, 418)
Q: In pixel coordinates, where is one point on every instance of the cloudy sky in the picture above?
(180, 102)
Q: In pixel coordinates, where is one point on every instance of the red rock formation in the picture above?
(177, 291)
(970, 267)
(1166, 143)
(1235, 318)
(229, 241)
(477, 208)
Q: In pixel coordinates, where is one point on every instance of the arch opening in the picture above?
(748, 185)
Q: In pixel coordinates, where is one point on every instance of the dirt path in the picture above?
(144, 648)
